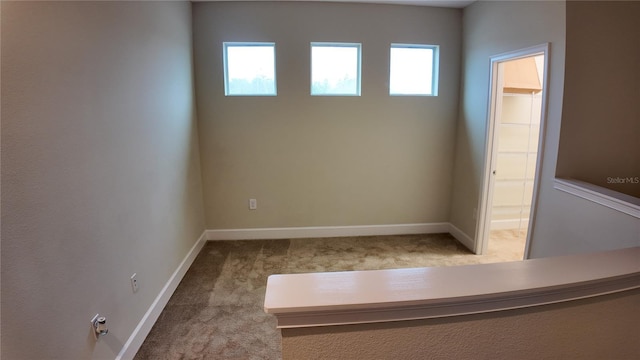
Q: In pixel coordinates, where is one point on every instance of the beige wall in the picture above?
(600, 132)
(492, 28)
(598, 328)
(100, 169)
(325, 161)
(563, 224)
(600, 136)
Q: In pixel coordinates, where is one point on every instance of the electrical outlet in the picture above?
(99, 326)
(253, 204)
(134, 282)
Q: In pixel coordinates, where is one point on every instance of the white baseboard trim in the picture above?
(464, 239)
(141, 331)
(509, 224)
(326, 231)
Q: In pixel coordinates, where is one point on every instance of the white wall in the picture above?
(325, 161)
(100, 169)
(492, 28)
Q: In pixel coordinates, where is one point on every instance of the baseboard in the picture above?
(510, 224)
(463, 238)
(141, 331)
(326, 231)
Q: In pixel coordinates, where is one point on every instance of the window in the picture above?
(249, 69)
(335, 69)
(413, 70)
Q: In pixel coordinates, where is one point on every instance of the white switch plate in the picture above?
(253, 204)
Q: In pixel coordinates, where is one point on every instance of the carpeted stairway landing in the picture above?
(216, 311)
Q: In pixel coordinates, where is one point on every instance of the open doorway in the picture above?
(514, 143)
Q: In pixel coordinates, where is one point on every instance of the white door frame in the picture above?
(495, 107)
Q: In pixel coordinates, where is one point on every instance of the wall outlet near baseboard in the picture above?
(134, 282)
(253, 204)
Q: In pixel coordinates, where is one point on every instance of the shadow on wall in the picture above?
(600, 135)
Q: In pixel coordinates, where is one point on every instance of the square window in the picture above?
(249, 69)
(413, 70)
(335, 69)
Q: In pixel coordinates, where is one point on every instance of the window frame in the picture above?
(357, 46)
(225, 64)
(435, 66)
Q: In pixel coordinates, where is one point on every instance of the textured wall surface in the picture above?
(598, 328)
(100, 169)
(325, 161)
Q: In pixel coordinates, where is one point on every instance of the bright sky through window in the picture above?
(335, 69)
(411, 70)
(250, 69)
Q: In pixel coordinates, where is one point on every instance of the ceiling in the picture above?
(439, 3)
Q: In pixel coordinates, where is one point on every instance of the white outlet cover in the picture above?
(134, 282)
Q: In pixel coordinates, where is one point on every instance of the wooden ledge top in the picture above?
(335, 298)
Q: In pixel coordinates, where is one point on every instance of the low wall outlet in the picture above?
(134, 282)
(253, 204)
(99, 326)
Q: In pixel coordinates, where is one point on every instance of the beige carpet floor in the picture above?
(217, 310)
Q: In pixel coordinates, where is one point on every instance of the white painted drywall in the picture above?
(100, 169)
(325, 161)
(492, 28)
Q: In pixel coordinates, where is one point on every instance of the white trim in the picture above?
(141, 331)
(325, 231)
(358, 297)
(435, 64)
(509, 224)
(226, 45)
(338, 231)
(486, 191)
(463, 238)
(358, 46)
(488, 304)
(606, 197)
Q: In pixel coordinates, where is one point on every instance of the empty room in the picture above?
(319, 179)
